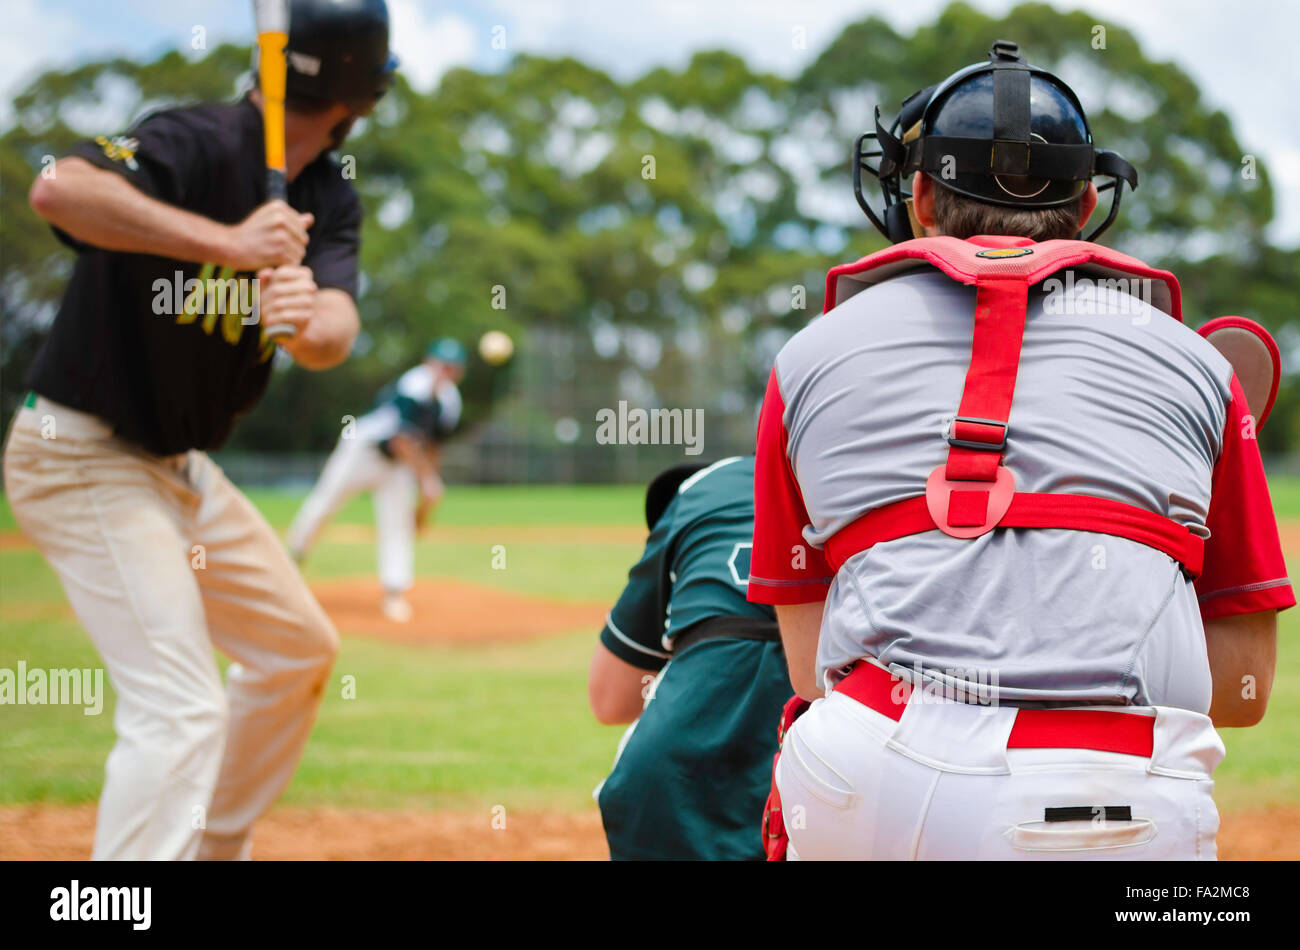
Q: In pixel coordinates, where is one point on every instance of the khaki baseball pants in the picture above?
(162, 559)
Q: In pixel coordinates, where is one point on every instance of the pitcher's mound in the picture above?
(447, 611)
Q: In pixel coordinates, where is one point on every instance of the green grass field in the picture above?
(469, 727)
(430, 726)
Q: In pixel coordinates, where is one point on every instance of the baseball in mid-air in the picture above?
(495, 347)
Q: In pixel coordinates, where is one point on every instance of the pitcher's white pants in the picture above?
(940, 784)
(162, 558)
(353, 467)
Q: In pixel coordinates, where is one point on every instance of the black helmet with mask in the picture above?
(1003, 132)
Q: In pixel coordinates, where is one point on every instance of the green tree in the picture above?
(655, 239)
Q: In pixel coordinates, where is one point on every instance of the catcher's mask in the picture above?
(1002, 132)
(663, 488)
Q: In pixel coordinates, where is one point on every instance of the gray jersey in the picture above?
(1113, 399)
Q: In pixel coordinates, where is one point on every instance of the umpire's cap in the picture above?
(446, 350)
(664, 486)
(338, 52)
(1003, 132)
(1015, 133)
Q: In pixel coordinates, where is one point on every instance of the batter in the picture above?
(106, 468)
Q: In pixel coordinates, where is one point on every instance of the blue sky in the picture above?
(1242, 54)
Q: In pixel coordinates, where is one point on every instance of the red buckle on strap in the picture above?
(967, 509)
(988, 435)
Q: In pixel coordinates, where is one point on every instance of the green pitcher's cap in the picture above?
(447, 351)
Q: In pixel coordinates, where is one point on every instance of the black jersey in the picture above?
(168, 351)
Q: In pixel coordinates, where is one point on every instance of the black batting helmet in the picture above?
(338, 52)
(1003, 132)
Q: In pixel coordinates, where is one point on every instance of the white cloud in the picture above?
(629, 37)
(429, 45)
(1285, 167)
(25, 46)
(1243, 62)
(1242, 59)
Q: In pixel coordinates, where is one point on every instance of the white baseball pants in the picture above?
(940, 784)
(162, 559)
(356, 466)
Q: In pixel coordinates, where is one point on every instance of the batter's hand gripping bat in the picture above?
(272, 19)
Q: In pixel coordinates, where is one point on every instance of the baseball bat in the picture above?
(272, 19)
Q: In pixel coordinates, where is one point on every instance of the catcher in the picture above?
(106, 468)
(693, 770)
(1034, 562)
(394, 452)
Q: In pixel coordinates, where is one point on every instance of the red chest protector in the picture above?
(973, 492)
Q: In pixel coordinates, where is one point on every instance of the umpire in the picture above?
(693, 771)
(149, 363)
(1040, 558)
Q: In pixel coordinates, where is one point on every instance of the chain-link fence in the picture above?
(697, 395)
(612, 405)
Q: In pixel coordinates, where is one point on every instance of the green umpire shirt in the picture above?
(694, 770)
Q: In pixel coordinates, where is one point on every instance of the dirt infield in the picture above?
(447, 611)
(13, 539)
(52, 832)
(47, 832)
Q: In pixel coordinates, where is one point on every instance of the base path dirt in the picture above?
(447, 611)
(1267, 834)
(66, 832)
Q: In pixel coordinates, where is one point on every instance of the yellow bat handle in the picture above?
(271, 76)
(272, 70)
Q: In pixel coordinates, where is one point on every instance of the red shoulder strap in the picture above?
(969, 495)
(999, 256)
(973, 492)
(979, 433)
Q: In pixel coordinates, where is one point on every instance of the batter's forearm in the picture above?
(327, 339)
(100, 208)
